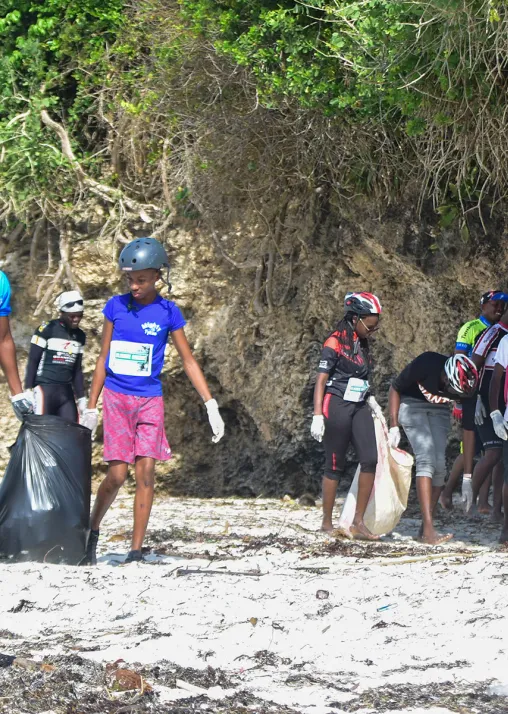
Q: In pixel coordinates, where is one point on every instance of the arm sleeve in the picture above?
(415, 371)
(329, 356)
(78, 380)
(34, 357)
(177, 320)
(5, 295)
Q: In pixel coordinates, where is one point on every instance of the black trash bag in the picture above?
(45, 493)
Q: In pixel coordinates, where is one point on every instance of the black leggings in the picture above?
(347, 422)
(56, 399)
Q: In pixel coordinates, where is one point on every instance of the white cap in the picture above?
(71, 301)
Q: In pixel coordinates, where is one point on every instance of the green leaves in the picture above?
(42, 44)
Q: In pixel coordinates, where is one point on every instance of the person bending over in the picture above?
(55, 370)
(419, 400)
(342, 405)
(134, 336)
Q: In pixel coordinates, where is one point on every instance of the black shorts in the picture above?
(346, 423)
(478, 446)
(56, 399)
(488, 436)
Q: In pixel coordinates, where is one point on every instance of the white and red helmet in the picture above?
(362, 304)
(462, 374)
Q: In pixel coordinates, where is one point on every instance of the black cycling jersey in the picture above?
(340, 362)
(55, 356)
(421, 379)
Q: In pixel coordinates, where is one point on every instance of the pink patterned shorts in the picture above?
(133, 426)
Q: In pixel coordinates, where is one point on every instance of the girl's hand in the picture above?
(394, 437)
(317, 428)
(215, 420)
(90, 419)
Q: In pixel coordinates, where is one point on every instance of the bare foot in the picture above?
(498, 517)
(503, 538)
(435, 538)
(446, 502)
(359, 531)
(485, 509)
(326, 526)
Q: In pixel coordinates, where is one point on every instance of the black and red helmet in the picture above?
(462, 374)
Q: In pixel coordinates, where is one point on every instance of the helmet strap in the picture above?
(165, 280)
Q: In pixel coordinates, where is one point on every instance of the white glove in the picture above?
(317, 428)
(375, 408)
(467, 492)
(90, 419)
(23, 404)
(82, 403)
(499, 424)
(479, 412)
(394, 437)
(215, 420)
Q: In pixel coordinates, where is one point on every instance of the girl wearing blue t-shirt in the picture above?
(135, 333)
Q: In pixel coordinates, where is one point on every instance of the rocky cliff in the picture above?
(257, 329)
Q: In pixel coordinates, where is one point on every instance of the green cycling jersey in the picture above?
(469, 334)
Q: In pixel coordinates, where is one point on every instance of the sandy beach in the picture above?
(243, 606)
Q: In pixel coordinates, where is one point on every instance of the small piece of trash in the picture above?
(386, 607)
(253, 621)
(322, 594)
(192, 688)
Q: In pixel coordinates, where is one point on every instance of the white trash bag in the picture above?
(388, 499)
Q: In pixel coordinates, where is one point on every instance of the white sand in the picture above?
(447, 621)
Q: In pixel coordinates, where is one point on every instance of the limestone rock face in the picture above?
(259, 343)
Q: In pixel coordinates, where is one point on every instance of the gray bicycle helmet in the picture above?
(143, 253)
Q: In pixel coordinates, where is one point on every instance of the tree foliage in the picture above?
(46, 48)
(433, 72)
(374, 94)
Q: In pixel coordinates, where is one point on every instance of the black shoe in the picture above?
(134, 556)
(91, 549)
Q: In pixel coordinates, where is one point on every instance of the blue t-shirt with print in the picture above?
(5, 295)
(140, 334)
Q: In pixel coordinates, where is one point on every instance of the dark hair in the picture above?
(346, 329)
